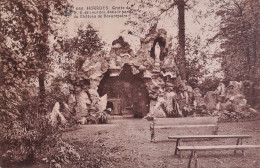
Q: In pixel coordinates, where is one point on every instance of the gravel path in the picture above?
(126, 143)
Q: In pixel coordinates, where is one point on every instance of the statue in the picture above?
(157, 51)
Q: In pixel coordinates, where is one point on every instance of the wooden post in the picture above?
(152, 131)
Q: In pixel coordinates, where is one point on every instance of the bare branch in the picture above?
(240, 8)
(171, 6)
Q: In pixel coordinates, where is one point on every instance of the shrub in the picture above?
(61, 153)
(20, 143)
(25, 134)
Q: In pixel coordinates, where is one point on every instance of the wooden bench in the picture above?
(180, 137)
(186, 124)
(194, 149)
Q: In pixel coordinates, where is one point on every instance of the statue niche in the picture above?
(159, 48)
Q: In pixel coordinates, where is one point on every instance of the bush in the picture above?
(25, 134)
(61, 153)
(21, 140)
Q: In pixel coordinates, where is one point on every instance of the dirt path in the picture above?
(126, 143)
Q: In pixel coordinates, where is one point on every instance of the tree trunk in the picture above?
(249, 75)
(252, 72)
(181, 39)
(42, 94)
(43, 51)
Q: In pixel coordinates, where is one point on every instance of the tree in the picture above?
(195, 61)
(25, 29)
(240, 42)
(73, 52)
(181, 38)
(82, 46)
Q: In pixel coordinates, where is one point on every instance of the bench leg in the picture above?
(180, 151)
(243, 151)
(176, 147)
(195, 158)
(180, 154)
(238, 142)
(191, 155)
(152, 137)
(152, 132)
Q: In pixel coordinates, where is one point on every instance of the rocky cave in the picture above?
(126, 93)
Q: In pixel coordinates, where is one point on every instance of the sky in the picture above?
(109, 28)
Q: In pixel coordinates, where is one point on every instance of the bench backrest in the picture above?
(186, 121)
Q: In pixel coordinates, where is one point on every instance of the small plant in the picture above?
(102, 117)
(61, 153)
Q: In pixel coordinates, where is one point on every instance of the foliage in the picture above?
(24, 36)
(56, 92)
(23, 133)
(27, 31)
(83, 45)
(26, 134)
(240, 43)
(147, 14)
(239, 30)
(86, 45)
(61, 153)
(20, 126)
(196, 61)
(25, 27)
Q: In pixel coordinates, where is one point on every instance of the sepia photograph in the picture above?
(129, 84)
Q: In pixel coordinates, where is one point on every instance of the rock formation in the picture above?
(227, 102)
(146, 83)
(56, 116)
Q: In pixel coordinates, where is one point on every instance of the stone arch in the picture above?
(127, 91)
